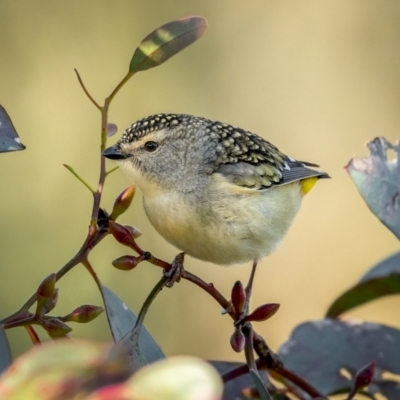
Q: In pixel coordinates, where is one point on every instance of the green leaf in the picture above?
(382, 280)
(166, 41)
(318, 350)
(5, 353)
(378, 181)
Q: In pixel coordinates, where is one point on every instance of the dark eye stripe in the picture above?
(151, 146)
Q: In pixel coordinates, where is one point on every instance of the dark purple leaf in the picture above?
(378, 181)
(9, 140)
(318, 350)
(122, 320)
(166, 41)
(5, 352)
(381, 280)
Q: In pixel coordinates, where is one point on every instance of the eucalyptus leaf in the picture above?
(9, 140)
(381, 280)
(166, 41)
(121, 321)
(318, 351)
(378, 181)
(5, 352)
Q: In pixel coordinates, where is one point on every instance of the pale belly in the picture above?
(226, 231)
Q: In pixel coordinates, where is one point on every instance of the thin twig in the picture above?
(86, 263)
(33, 335)
(73, 172)
(111, 170)
(118, 87)
(85, 90)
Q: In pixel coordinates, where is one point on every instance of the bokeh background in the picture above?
(317, 78)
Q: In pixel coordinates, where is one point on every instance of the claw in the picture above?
(174, 274)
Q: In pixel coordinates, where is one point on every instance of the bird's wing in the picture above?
(266, 174)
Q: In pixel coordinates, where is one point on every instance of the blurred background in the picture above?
(318, 79)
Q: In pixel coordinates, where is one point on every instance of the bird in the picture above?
(217, 192)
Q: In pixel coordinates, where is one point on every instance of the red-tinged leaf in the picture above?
(378, 181)
(112, 392)
(126, 263)
(62, 370)
(123, 201)
(263, 312)
(237, 340)
(238, 297)
(166, 41)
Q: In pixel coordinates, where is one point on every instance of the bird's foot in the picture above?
(174, 274)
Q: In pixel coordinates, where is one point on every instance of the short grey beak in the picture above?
(114, 153)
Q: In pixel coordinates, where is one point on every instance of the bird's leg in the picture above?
(249, 289)
(174, 274)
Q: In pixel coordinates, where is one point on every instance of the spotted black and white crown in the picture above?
(242, 156)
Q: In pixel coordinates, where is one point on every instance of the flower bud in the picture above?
(263, 312)
(238, 297)
(122, 202)
(126, 263)
(44, 295)
(364, 376)
(121, 234)
(51, 303)
(238, 340)
(55, 327)
(85, 313)
(47, 286)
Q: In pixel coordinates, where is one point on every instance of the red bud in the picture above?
(263, 312)
(85, 313)
(237, 340)
(47, 286)
(126, 263)
(122, 202)
(121, 234)
(238, 297)
(55, 327)
(364, 376)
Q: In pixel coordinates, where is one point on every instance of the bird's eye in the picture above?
(151, 146)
